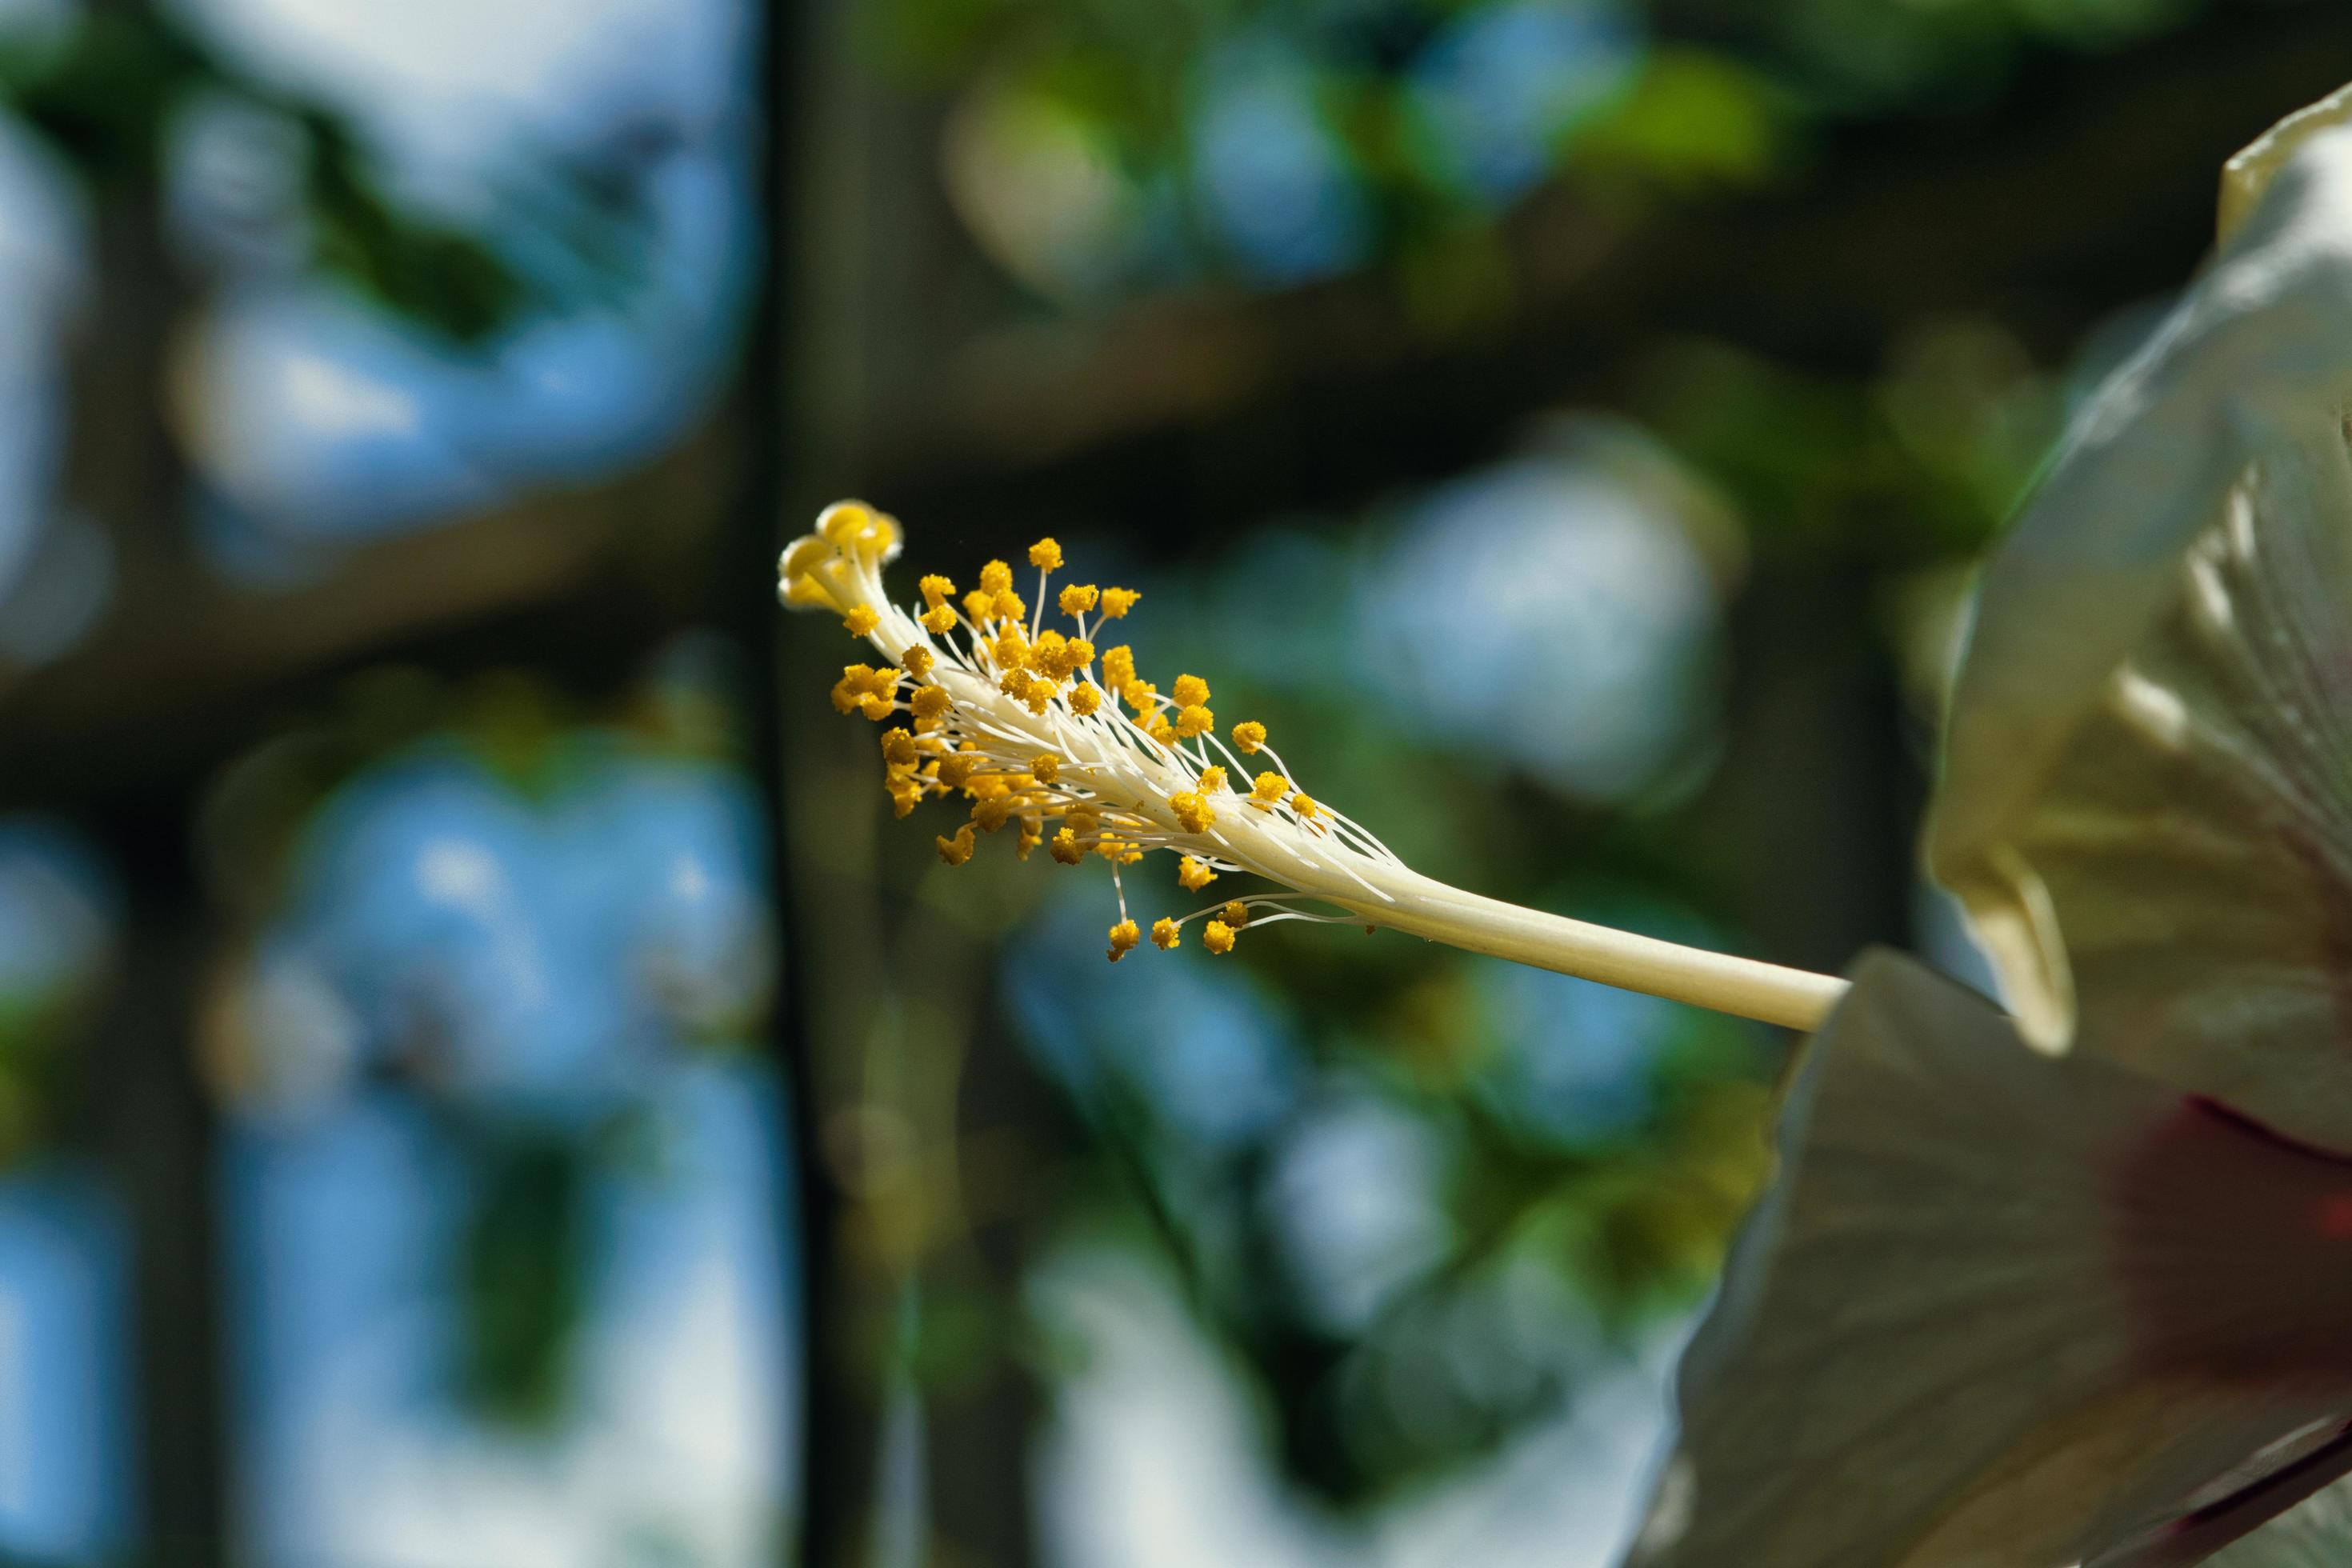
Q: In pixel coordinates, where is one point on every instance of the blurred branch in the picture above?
(192, 667)
(2092, 187)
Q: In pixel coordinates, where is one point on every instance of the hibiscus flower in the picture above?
(2072, 1282)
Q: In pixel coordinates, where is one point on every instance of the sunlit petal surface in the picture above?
(2147, 800)
(2003, 1308)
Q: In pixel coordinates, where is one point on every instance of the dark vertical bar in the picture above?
(156, 1120)
(834, 1478)
(161, 1127)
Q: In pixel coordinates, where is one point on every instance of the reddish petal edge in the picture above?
(2197, 1536)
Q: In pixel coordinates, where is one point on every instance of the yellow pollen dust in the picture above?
(1193, 875)
(918, 662)
(1123, 939)
(1117, 602)
(1085, 700)
(1193, 815)
(937, 590)
(995, 577)
(1189, 691)
(1164, 934)
(861, 620)
(1194, 721)
(1268, 789)
(1079, 598)
(956, 850)
(1248, 736)
(1066, 847)
(1045, 767)
(1235, 913)
(1218, 937)
(1213, 780)
(1046, 554)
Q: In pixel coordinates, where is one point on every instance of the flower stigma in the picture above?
(1035, 727)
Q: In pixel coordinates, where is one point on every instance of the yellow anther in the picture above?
(1268, 789)
(1079, 598)
(1011, 648)
(1160, 729)
(932, 702)
(1304, 804)
(1014, 683)
(1249, 735)
(993, 812)
(1047, 654)
(1007, 605)
(877, 706)
(1040, 696)
(1066, 847)
(1118, 667)
(1123, 939)
(1031, 833)
(1045, 767)
(956, 771)
(1212, 780)
(861, 620)
(1164, 934)
(1235, 913)
(1194, 721)
(1193, 815)
(1189, 691)
(1085, 700)
(903, 794)
(938, 620)
(1218, 937)
(1193, 875)
(899, 748)
(995, 577)
(956, 850)
(1046, 554)
(856, 680)
(978, 606)
(1139, 695)
(937, 590)
(1078, 652)
(1117, 602)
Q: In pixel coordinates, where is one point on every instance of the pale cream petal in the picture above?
(2135, 600)
(2002, 1309)
(2178, 893)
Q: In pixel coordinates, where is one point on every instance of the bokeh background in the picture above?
(484, 1083)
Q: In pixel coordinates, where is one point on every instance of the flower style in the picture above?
(2074, 1286)
(1067, 744)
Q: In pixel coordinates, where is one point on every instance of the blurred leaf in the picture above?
(1694, 119)
(523, 1275)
